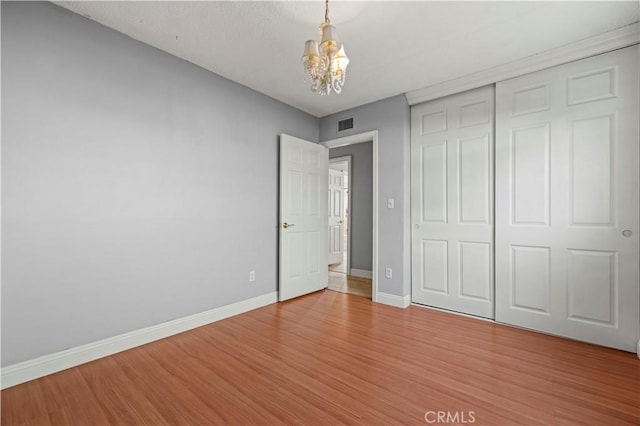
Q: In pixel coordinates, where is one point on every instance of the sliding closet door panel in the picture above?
(452, 202)
(567, 200)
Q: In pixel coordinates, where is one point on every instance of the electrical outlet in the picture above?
(388, 273)
(252, 276)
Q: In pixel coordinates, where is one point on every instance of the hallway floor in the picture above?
(349, 284)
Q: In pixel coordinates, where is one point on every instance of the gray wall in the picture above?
(391, 117)
(361, 193)
(136, 187)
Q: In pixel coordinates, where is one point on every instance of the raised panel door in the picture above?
(336, 222)
(303, 218)
(567, 200)
(452, 203)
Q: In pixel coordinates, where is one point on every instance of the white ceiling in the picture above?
(394, 46)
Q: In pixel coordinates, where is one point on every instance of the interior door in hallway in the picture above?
(336, 216)
(452, 203)
(303, 217)
(567, 200)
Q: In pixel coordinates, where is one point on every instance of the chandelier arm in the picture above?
(337, 83)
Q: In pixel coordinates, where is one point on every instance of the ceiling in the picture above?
(394, 46)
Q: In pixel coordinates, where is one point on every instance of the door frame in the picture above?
(371, 136)
(348, 160)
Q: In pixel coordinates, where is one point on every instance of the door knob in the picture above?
(288, 225)
(627, 233)
(340, 221)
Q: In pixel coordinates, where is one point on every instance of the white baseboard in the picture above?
(393, 300)
(52, 363)
(361, 273)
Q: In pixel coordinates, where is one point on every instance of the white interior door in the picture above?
(567, 200)
(303, 218)
(336, 216)
(452, 203)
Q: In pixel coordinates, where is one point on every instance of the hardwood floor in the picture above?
(339, 267)
(350, 284)
(333, 358)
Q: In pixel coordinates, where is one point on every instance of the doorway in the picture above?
(341, 277)
(351, 213)
(339, 211)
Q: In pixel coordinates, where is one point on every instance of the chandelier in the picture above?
(325, 65)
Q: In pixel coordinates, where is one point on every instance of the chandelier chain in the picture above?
(326, 11)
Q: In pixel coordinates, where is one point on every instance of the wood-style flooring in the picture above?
(331, 358)
(350, 284)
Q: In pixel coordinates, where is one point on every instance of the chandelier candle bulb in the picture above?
(341, 59)
(311, 51)
(330, 43)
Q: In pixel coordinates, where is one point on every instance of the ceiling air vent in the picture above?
(345, 124)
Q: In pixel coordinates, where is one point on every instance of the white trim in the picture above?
(348, 159)
(372, 137)
(393, 300)
(612, 40)
(462, 314)
(49, 364)
(362, 273)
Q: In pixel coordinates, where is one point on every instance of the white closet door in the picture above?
(452, 202)
(567, 200)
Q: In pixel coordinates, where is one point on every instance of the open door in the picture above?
(303, 217)
(336, 216)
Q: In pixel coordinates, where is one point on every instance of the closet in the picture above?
(535, 224)
(452, 202)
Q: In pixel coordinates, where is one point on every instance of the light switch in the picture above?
(390, 203)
